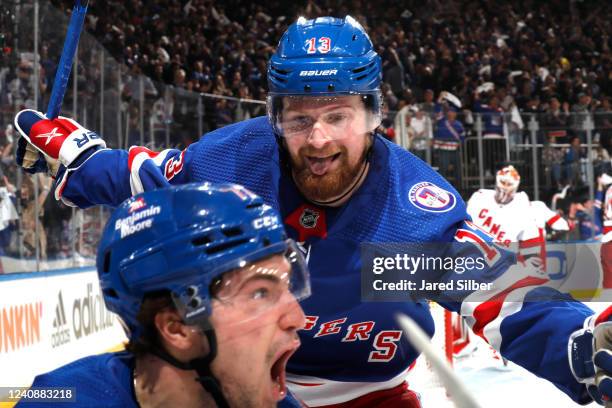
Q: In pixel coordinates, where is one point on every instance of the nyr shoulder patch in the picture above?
(427, 196)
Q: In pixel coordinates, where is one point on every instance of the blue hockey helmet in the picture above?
(185, 240)
(324, 58)
(327, 56)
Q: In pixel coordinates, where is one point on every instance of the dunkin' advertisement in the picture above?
(50, 319)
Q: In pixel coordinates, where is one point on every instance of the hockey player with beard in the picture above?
(337, 184)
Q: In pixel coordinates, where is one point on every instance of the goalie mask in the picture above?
(506, 184)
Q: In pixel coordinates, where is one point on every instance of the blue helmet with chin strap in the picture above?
(180, 240)
(196, 242)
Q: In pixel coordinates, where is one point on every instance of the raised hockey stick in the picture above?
(458, 392)
(65, 65)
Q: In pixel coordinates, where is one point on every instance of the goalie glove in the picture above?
(46, 144)
(590, 352)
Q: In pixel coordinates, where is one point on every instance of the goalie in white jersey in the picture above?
(508, 216)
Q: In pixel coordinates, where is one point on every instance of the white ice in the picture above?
(492, 384)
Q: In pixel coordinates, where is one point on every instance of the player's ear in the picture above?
(180, 340)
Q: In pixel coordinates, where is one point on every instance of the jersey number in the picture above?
(488, 249)
(174, 167)
(324, 45)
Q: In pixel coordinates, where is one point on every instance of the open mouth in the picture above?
(277, 373)
(321, 165)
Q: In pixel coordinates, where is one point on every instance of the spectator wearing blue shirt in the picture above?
(492, 117)
(585, 227)
(494, 143)
(448, 138)
(571, 161)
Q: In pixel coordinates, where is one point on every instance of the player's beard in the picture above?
(332, 184)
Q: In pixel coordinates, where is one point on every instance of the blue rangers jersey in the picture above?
(103, 379)
(349, 348)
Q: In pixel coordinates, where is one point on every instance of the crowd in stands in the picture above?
(543, 57)
(444, 64)
(549, 58)
(552, 59)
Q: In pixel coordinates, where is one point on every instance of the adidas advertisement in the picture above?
(61, 330)
(88, 315)
(50, 320)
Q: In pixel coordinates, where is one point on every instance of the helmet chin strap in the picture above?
(201, 366)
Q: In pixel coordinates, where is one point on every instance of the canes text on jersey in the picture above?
(492, 228)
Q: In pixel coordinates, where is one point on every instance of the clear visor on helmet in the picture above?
(255, 288)
(335, 116)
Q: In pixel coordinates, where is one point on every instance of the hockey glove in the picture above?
(591, 356)
(45, 144)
